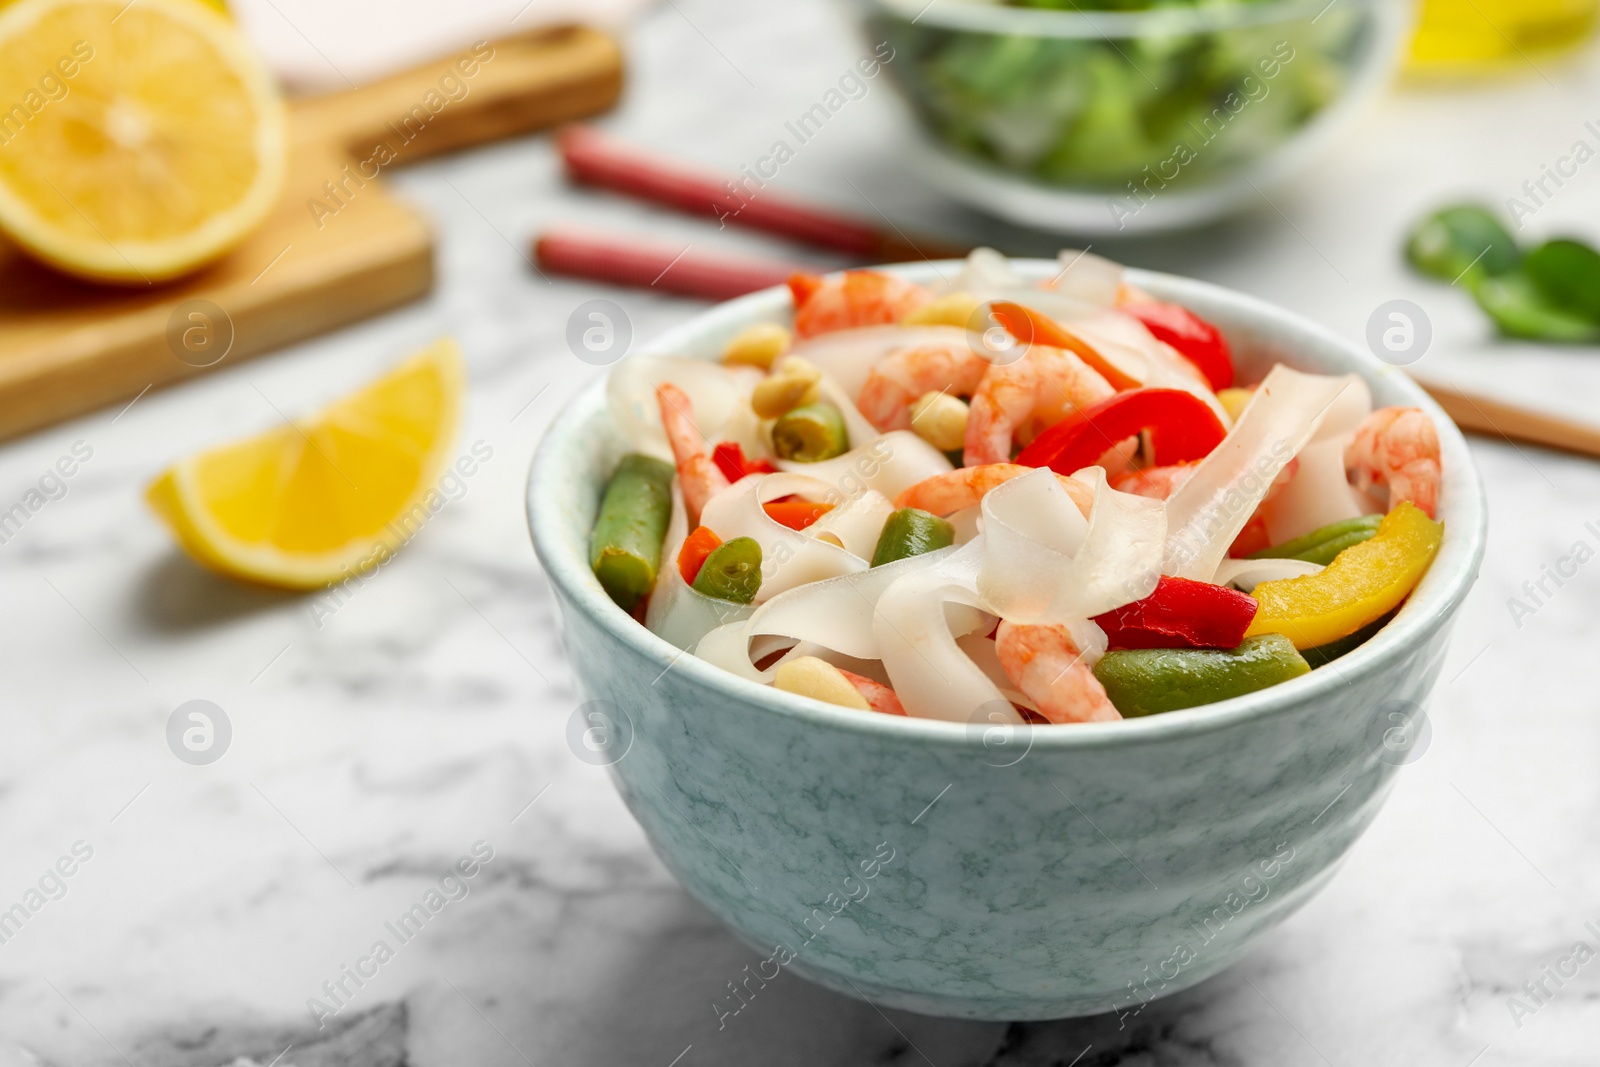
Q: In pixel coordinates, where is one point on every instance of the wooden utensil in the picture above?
(338, 247)
(1494, 418)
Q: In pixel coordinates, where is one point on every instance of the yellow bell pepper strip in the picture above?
(1363, 583)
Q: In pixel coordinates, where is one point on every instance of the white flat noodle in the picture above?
(1090, 639)
(1346, 413)
(968, 523)
(716, 393)
(675, 612)
(889, 464)
(855, 423)
(788, 557)
(728, 647)
(1044, 564)
(1320, 494)
(933, 677)
(848, 356)
(680, 615)
(835, 614)
(985, 270)
(1062, 307)
(856, 524)
(1207, 513)
(1088, 277)
(1246, 574)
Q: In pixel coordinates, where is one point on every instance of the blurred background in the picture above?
(357, 742)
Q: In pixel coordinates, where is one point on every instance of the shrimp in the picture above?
(699, 479)
(879, 696)
(1157, 483)
(948, 493)
(906, 373)
(1017, 399)
(1046, 665)
(1397, 448)
(854, 298)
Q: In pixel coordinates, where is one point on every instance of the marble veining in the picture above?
(431, 711)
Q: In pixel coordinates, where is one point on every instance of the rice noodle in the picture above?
(720, 396)
(917, 638)
(1208, 511)
(1088, 277)
(985, 270)
(848, 356)
(788, 557)
(1246, 574)
(1044, 563)
(1320, 493)
(855, 423)
(889, 464)
(676, 612)
(835, 614)
(855, 524)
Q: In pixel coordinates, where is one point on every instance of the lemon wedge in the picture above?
(137, 140)
(328, 496)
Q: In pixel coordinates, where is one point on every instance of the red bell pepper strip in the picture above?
(700, 543)
(1181, 614)
(1183, 428)
(734, 464)
(1033, 328)
(1195, 339)
(795, 514)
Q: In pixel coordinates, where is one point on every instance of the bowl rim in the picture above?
(999, 18)
(1463, 507)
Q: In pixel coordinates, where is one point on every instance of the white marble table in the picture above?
(374, 746)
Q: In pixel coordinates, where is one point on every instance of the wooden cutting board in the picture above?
(330, 254)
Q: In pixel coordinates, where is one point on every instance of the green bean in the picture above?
(732, 571)
(1342, 646)
(911, 532)
(625, 547)
(810, 433)
(1148, 681)
(1320, 546)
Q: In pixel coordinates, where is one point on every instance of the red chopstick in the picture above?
(597, 159)
(626, 261)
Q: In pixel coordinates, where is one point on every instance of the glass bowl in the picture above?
(1106, 122)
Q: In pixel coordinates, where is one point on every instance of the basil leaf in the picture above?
(1463, 240)
(1568, 274)
(1521, 309)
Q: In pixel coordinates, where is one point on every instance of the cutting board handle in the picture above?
(491, 90)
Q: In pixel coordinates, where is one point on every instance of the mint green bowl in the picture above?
(1057, 871)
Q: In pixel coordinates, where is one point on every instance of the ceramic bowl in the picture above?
(988, 872)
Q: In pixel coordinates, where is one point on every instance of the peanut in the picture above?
(757, 346)
(1234, 400)
(793, 382)
(809, 676)
(951, 309)
(941, 420)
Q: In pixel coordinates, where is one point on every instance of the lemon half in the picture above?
(137, 140)
(328, 496)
